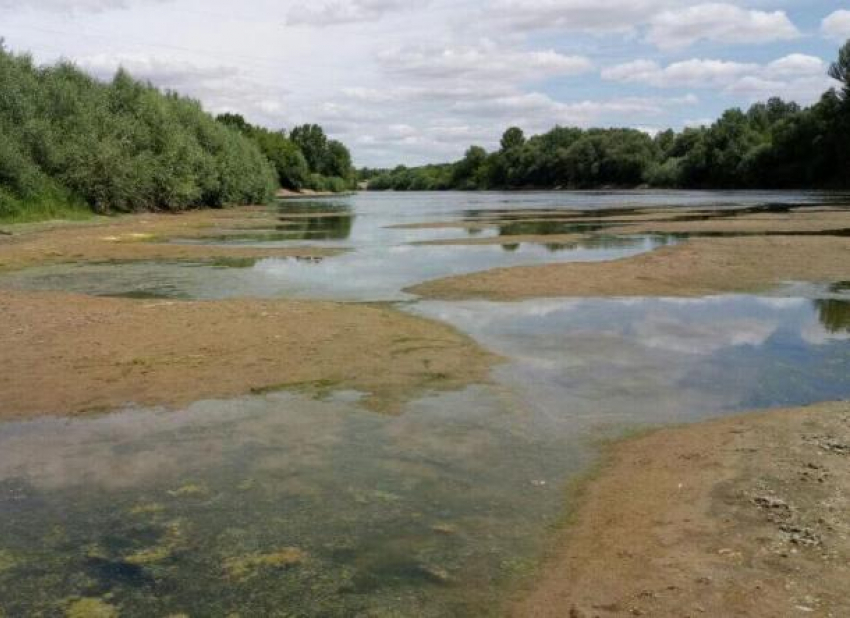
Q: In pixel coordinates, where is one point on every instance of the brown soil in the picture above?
(135, 237)
(746, 516)
(697, 267)
(803, 220)
(71, 354)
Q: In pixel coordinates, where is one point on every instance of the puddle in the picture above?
(322, 508)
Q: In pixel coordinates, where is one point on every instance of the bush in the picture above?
(69, 140)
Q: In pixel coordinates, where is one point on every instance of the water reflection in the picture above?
(373, 272)
(382, 259)
(661, 359)
(834, 314)
(324, 509)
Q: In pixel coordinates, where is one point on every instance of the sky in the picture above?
(413, 82)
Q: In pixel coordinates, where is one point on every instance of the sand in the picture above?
(141, 237)
(744, 516)
(74, 354)
(697, 267)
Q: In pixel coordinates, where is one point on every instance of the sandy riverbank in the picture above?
(767, 251)
(744, 516)
(140, 237)
(71, 354)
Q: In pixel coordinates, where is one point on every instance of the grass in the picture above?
(12, 212)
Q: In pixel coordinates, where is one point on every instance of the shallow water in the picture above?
(383, 259)
(285, 505)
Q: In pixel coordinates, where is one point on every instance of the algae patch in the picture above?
(171, 541)
(91, 608)
(7, 561)
(242, 568)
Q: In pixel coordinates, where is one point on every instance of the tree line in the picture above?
(776, 144)
(304, 158)
(72, 144)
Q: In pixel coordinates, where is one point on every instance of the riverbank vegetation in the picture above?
(71, 145)
(776, 144)
(304, 158)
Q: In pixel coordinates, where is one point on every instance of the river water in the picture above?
(285, 505)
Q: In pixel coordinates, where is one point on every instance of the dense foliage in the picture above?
(304, 159)
(70, 144)
(67, 139)
(771, 145)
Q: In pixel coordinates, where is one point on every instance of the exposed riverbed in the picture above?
(318, 502)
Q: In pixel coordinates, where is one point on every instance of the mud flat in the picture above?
(140, 237)
(72, 354)
(745, 516)
(694, 268)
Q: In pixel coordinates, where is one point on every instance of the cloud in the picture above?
(536, 111)
(695, 73)
(221, 87)
(576, 15)
(837, 25)
(336, 12)
(485, 61)
(164, 73)
(74, 6)
(795, 76)
(722, 23)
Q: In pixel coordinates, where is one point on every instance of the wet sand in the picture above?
(140, 237)
(694, 268)
(72, 354)
(763, 249)
(744, 516)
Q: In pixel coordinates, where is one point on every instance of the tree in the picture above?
(512, 138)
(840, 70)
(313, 142)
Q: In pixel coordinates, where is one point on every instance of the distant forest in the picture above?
(70, 145)
(771, 145)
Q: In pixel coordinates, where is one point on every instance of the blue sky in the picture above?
(411, 82)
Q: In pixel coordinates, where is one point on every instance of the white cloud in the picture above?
(486, 61)
(794, 65)
(336, 12)
(723, 23)
(163, 72)
(795, 76)
(73, 6)
(221, 87)
(696, 73)
(536, 111)
(837, 25)
(576, 15)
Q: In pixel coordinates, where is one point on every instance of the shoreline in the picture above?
(742, 515)
(736, 252)
(286, 194)
(139, 237)
(140, 352)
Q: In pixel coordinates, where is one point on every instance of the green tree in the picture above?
(840, 70)
(512, 139)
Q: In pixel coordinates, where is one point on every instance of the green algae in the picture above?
(8, 561)
(171, 541)
(91, 608)
(150, 508)
(190, 489)
(242, 568)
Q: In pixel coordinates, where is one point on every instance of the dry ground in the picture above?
(139, 237)
(746, 516)
(769, 248)
(71, 354)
